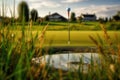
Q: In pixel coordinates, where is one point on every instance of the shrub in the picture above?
(113, 26)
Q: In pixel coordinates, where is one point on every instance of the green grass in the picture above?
(18, 47)
(63, 26)
(77, 38)
(59, 26)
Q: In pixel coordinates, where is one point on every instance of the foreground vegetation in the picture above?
(20, 42)
(18, 47)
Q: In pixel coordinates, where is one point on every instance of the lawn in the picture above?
(77, 38)
(52, 26)
(57, 33)
(75, 26)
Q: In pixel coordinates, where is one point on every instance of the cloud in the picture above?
(100, 11)
(36, 4)
(72, 1)
(58, 5)
(50, 4)
(45, 3)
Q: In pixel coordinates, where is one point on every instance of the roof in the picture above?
(60, 16)
(89, 15)
(55, 14)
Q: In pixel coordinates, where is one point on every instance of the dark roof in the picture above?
(59, 15)
(55, 14)
(88, 15)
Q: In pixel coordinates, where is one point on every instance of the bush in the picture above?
(113, 26)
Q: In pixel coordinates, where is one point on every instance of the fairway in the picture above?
(77, 38)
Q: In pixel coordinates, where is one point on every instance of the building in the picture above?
(88, 17)
(56, 17)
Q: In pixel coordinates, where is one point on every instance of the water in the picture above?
(68, 61)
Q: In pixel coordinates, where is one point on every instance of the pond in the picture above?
(70, 61)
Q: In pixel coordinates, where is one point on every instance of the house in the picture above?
(56, 17)
(88, 17)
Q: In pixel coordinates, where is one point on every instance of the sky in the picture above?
(102, 8)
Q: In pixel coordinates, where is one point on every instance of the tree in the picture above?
(80, 19)
(46, 18)
(73, 18)
(106, 19)
(34, 14)
(110, 19)
(23, 11)
(101, 20)
(117, 16)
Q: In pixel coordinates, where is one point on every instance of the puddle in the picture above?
(70, 61)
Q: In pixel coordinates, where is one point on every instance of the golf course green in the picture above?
(77, 38)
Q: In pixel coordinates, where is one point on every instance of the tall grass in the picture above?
(16, 55)
(110, 66)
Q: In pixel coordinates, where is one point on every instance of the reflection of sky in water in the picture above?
(63, 61)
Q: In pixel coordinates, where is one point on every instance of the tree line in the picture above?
(23, 12)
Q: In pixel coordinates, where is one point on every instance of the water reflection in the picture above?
(70, 61)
